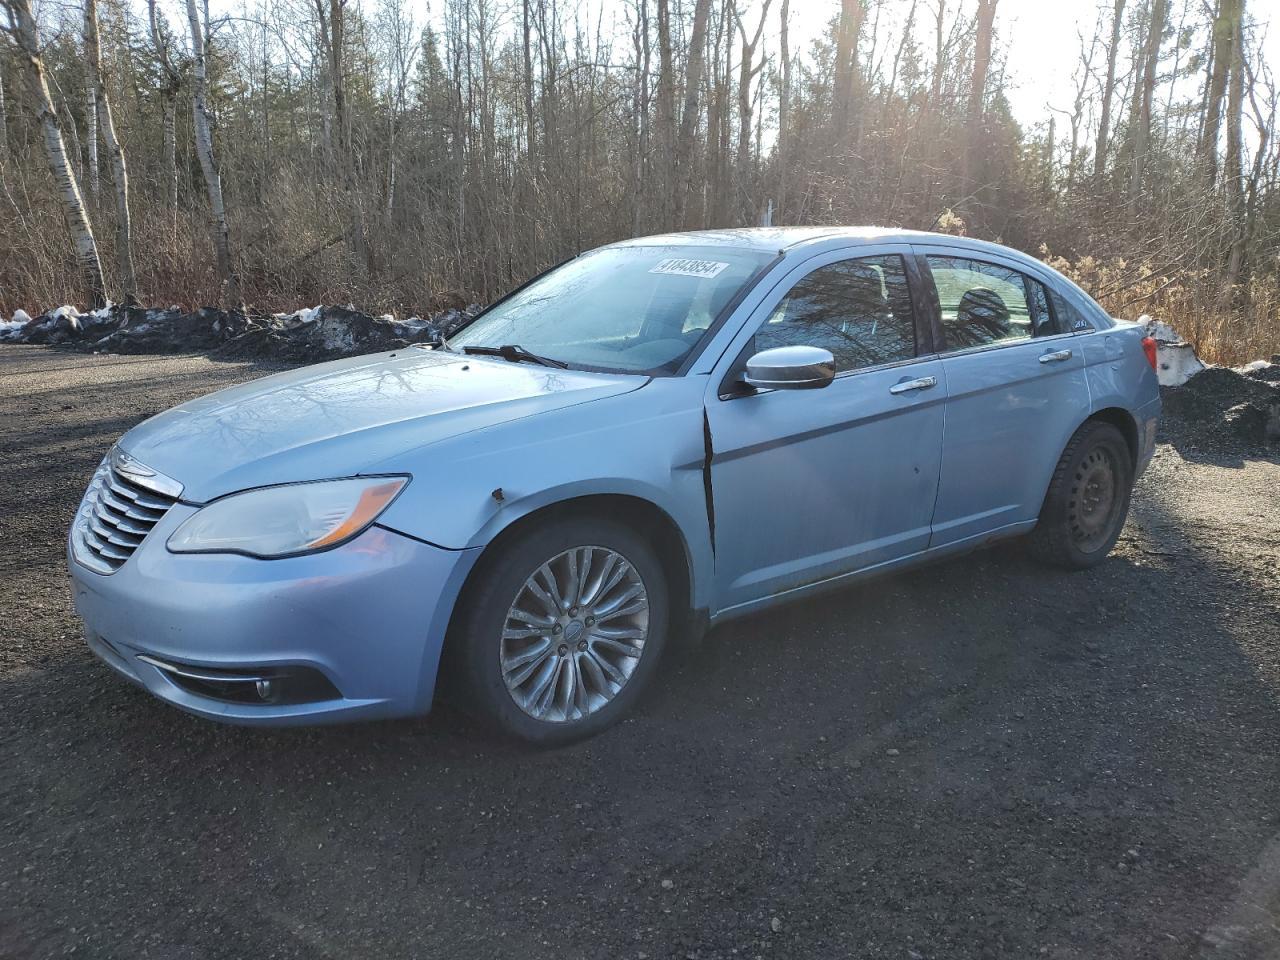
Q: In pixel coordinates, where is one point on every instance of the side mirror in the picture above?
(791, 368)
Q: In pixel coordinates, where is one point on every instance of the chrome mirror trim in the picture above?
(791, 368)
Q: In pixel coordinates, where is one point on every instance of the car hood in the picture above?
(338, 419)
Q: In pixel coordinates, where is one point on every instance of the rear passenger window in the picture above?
(984, 303)
(859, 309)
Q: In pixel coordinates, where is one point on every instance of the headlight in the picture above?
(287, 520)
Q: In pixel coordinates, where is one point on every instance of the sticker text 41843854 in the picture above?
(682, 267)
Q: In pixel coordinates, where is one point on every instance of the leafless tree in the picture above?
(4, 119)
(227, 276)
(747, 73)
(689, 113)
(847, 71)
(1108, 93)
(21, 28)
(119, 165)
(170, 85)
(1144, 91)
(1227, 23)
(1233, 170)
(358, 159)
(983, 36)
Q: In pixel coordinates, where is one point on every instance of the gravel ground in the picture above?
(980, 759)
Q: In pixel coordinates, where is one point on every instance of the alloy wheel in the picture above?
(574, 634)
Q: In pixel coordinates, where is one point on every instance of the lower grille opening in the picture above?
(275, 685)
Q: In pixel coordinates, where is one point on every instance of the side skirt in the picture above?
(916, 559)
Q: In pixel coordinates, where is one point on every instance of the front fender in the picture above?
(647, 444)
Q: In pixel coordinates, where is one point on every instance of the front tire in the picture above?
(1088, 499)
(561, 630)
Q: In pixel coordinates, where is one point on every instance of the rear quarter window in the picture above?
(1071, 319)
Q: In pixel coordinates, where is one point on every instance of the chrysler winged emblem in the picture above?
(130, 467)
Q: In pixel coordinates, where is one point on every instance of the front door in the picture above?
(811, 484)
(1015, 392)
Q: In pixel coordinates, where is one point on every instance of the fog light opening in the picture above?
(271, 685)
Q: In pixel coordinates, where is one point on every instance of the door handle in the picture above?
(906, 386)
(1055, 356)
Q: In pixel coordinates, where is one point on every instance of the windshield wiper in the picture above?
(515, 354)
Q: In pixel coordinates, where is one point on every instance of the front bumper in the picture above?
(369, 617)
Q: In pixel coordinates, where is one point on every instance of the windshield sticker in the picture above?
(689, 268)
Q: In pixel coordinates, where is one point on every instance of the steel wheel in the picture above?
(574, 634)
(1091, 510)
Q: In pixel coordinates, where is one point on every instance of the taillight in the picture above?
(1149, 348)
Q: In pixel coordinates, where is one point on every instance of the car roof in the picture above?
(775, 239)
(813, 240)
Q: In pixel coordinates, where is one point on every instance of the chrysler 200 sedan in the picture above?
(654, 437)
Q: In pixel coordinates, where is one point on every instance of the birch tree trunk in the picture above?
(204, 152)
(119, 166)
(27, 37)
(4, 123)
(91, 132)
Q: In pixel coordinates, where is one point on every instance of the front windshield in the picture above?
(634, 308)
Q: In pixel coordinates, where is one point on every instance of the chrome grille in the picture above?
(123, 502)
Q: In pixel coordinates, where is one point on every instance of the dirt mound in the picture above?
(316, 333)
(1246, 404)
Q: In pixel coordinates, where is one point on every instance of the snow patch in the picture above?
(1254, 366)
(10, 329)
(300, 318)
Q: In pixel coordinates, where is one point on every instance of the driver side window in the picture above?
(858, 309)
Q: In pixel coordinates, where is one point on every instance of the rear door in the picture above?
(1015, 390)
(811, 484)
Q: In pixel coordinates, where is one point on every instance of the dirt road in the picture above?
(980, 759)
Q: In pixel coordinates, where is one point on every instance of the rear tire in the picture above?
(555, 678)
(1088, 499)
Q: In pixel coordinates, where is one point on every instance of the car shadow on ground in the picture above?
(978, 758)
